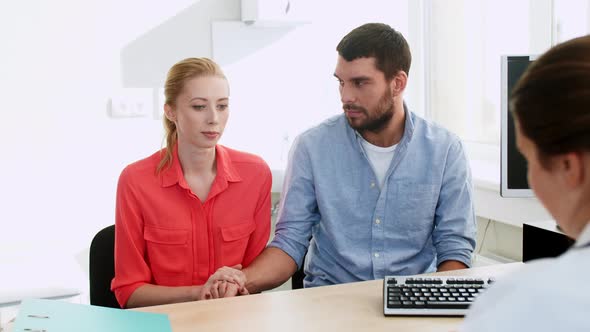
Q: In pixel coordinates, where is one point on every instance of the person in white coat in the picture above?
(551, 108)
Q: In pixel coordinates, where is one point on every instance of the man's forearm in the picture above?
(269, 270)
(451, 265)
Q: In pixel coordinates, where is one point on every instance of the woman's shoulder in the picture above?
(143, 167)
(241, 157)
(523, 298)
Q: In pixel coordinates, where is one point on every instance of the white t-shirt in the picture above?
(380, 158)
(545, 295)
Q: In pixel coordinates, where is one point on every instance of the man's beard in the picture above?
(382, 115)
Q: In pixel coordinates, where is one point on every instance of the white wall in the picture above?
(62, 61)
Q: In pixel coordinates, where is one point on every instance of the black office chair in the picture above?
(298, 276)
(297, 279)
(102, 268)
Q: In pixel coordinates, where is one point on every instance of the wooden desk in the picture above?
(348, 307)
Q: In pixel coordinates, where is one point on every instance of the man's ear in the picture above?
(170, 113)
(398, 83)
(571, 165)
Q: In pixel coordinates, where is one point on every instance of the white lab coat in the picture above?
(545, 295)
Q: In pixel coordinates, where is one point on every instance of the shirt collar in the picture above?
(584, 238)
(225, 166)
(226, 172)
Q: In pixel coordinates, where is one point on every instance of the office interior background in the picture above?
(81, 85)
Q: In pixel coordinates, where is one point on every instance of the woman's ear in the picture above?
(170, 113)
(572, 167)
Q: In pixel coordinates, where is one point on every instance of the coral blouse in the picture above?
(165, 236)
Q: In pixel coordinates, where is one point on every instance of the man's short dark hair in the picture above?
(378, 40)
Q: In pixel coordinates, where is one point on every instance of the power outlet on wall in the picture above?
(131, 103)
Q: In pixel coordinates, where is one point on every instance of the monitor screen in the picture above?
(513, 178)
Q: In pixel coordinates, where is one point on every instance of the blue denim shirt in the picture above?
(421, 217)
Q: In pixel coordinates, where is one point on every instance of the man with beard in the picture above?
(375, 191)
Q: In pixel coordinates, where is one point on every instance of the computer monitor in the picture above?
(513, 177)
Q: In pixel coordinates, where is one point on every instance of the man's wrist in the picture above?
(250, 282)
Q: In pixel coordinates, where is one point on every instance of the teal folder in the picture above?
(59, 316)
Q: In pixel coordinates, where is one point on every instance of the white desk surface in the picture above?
(23, 278)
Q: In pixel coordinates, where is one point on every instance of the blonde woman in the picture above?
(189, 212)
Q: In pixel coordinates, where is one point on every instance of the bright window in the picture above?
(465, 40)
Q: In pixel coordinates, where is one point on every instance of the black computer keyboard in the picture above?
(431, 296)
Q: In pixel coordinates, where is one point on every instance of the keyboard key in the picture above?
(447, 305)
(394, 304)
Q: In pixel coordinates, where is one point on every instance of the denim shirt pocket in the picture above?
(417, 206)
